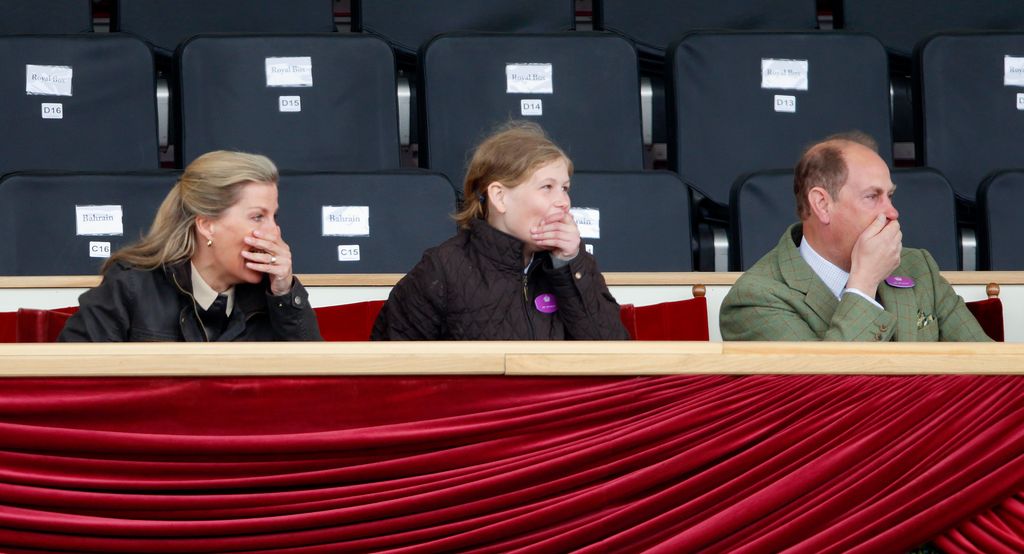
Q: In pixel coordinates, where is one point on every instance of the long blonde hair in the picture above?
(210, 185)
(509, 156)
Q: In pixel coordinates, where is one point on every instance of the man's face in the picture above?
(868, 192)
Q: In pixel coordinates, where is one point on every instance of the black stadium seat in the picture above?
(68, 223)
(900, 25)
(364, 222)
(927, 209)
(407, 26)
(39, 17)
(635, 221)
(654, 24)
(589, 100)
(737, 103)
(762, 205)
(77, 102)
(165, 25)
(309, 102)
(1001, 227)
(972, 106)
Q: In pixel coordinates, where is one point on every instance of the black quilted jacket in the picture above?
(474, 287)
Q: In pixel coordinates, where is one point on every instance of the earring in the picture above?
(209, 242)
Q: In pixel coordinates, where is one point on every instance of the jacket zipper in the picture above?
(526, 298)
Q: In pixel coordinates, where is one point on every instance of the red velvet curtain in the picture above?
(501, 464)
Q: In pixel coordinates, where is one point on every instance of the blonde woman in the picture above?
(213, 266)
(515, 270)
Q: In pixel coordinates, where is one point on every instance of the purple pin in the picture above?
(900, 282)
(546, 303)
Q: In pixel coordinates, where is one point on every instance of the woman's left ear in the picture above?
(204, 227)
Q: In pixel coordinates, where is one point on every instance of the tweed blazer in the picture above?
(781, 298)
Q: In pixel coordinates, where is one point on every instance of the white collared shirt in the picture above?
(832, 275)
(204, 293)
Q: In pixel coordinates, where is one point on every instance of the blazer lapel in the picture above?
(801, 277)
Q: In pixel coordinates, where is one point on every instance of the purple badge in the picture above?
(546, 303)
(900, 282)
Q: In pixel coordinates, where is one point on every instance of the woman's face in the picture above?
(515, 210)
(255, 210)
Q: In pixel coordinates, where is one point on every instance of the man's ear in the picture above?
(205, 227)
(820, 202)
(496, 197)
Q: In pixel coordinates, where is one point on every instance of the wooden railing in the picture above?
(507, 358)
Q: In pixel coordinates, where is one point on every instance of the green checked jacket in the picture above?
(781, 298)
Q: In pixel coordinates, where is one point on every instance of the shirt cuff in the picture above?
(864, 296)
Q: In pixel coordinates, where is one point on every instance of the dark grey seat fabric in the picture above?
(901, 25)
(40, 213)
(408, 212)
(77, 102)
(927, 209)
(1001, 227)
(762, 206)
(970, 118)
(653, 25)
(407, 26)
(592, 110)
(642, 223)
(37, 17)
(725, 122)
(344, 119)
(165, 25)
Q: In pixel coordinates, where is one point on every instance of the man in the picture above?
(842, 274)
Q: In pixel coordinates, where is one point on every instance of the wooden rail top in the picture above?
(507, 358)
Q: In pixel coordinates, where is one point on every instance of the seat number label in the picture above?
(289, 103)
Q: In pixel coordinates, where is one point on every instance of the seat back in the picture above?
(761, 207)
(86, 103)
(971, 99)
(68, 224)
(165, 25)
(582, 88)
(348, 322)
(8, 327)
(736, 103)
(927, 209)
(634, 221)
(678, 320)
(407, 26)
(36, 325)
(364, 223)
(310, 103)
(1000, 225)
(989, 313)
(654, 24)
(901, 25)
(45, 17)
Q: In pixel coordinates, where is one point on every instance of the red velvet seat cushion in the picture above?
(36, 325)
(679, 320)
(348, 322)
(989, 313)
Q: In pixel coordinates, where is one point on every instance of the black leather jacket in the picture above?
(157, 305)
